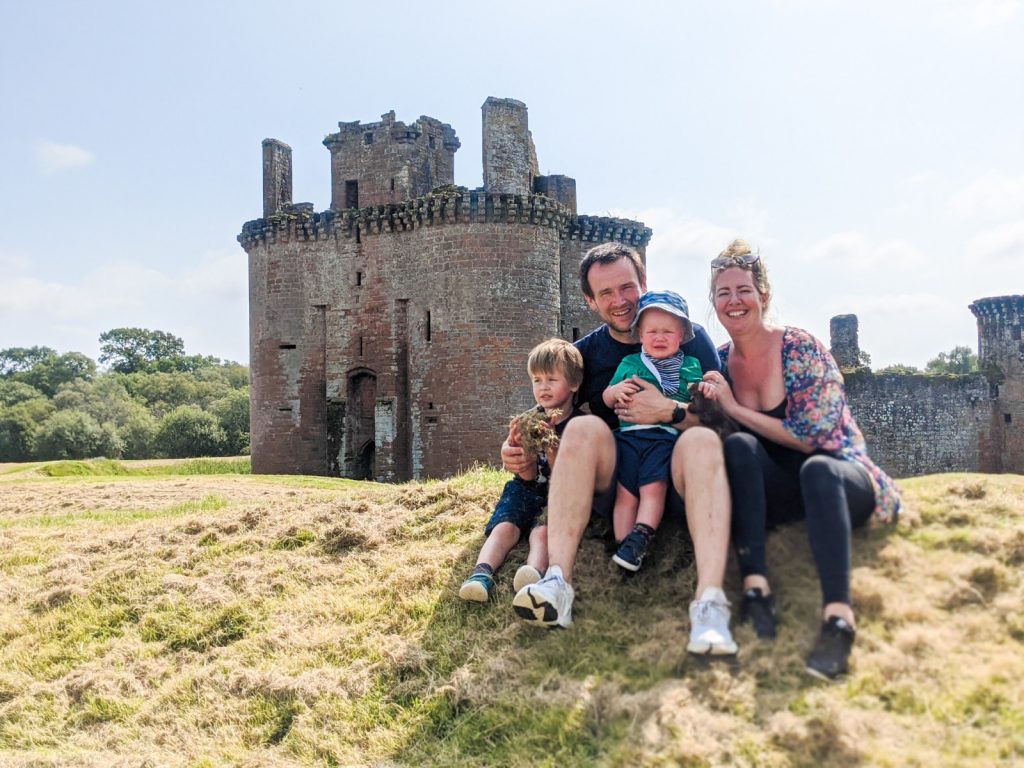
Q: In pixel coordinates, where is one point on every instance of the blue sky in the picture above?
(874, 151)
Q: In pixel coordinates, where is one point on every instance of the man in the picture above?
(583, 480)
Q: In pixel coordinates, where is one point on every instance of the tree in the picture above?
(49, 374)
(75, 435)
(232, 411)
(958, 360)
(18, 359)
(128, 350)
(18, 426)
(189, 431)
(14, 392)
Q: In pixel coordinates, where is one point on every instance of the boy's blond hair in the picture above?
(557, 355)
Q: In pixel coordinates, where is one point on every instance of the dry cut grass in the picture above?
(256, 621)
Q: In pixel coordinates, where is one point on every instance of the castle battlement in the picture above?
(427, 128)
(451, 206)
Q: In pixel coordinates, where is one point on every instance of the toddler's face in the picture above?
(661, 333)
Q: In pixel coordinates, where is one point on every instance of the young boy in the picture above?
(644, 451)
(556, 372)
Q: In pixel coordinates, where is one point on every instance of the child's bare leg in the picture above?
(652, 503)
(503, 537)
(625, 515)
(538, 555)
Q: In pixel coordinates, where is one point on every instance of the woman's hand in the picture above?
(715, 387)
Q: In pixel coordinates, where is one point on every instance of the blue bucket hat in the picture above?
(667, 301)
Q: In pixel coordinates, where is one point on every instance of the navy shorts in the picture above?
(521, 503)
(643, 457)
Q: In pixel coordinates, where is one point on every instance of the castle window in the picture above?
(430, 141)
(286, 346)
(575, 334)
(431, 419)
(392, 185)
(427, 329)
(1015, 332)
(1007, 418)
(360, 346)
(351, 194)
(287, 408)
(367, 138)
(359, 278)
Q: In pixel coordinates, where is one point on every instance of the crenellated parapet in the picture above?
(603, 229)
(454, 205)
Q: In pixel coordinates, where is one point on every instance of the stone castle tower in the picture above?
(389, 334)
(1001, 360)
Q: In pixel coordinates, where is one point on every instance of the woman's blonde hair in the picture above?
(739, 254)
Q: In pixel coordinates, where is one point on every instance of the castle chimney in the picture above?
(510, 160)
(277, 176)
(845, 346)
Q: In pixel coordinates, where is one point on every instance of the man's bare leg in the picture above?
(698, 471)
(585, 464)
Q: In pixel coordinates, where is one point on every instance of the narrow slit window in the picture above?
(287, 408)
(360, 346)
(392, 185)
(575, 334)
(286, 346)
(427, 329)
(1008, 418)
(359, 278)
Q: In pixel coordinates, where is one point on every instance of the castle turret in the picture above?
(277, 176)
(1001, 358)
(389, 161)
(510, 160)
(845, 344)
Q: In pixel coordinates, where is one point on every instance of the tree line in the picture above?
(144, 398)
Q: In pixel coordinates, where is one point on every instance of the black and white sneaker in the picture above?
(760, 609)
(830, 658)
(632, 551)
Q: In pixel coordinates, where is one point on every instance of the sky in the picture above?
(872, 151)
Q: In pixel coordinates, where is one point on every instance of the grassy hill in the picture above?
(152, 616)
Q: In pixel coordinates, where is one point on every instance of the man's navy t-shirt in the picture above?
(602, 355)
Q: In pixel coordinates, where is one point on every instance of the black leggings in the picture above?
(772, 484)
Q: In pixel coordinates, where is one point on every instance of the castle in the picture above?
(388, 334)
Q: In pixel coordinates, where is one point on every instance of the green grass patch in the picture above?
(182, 627)
(209, 503)
(112, 468)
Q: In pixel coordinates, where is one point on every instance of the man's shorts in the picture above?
(522, 503)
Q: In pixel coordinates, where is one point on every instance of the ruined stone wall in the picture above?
(920, 424)
(277, 176)
(389, 161)
(1001, 358)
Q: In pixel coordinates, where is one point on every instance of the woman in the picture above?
(800, 455)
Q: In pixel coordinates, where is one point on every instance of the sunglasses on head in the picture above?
(744, 260)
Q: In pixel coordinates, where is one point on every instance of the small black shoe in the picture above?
(831, 653)
(632, 551)
(760, 609)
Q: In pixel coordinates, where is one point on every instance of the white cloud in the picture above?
(981, 14)
(1001, 245)
(53, 158)
(989, 196)
(854, 251)
(222, 274)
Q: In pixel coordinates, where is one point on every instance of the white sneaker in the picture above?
(526, 574)
(709, 625)
(548, 602)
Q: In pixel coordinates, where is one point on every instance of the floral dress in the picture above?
(818, 414)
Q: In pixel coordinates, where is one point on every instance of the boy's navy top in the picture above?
(602, 355)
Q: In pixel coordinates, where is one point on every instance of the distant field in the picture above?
(185, 618)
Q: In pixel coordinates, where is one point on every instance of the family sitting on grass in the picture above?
(639, 453)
